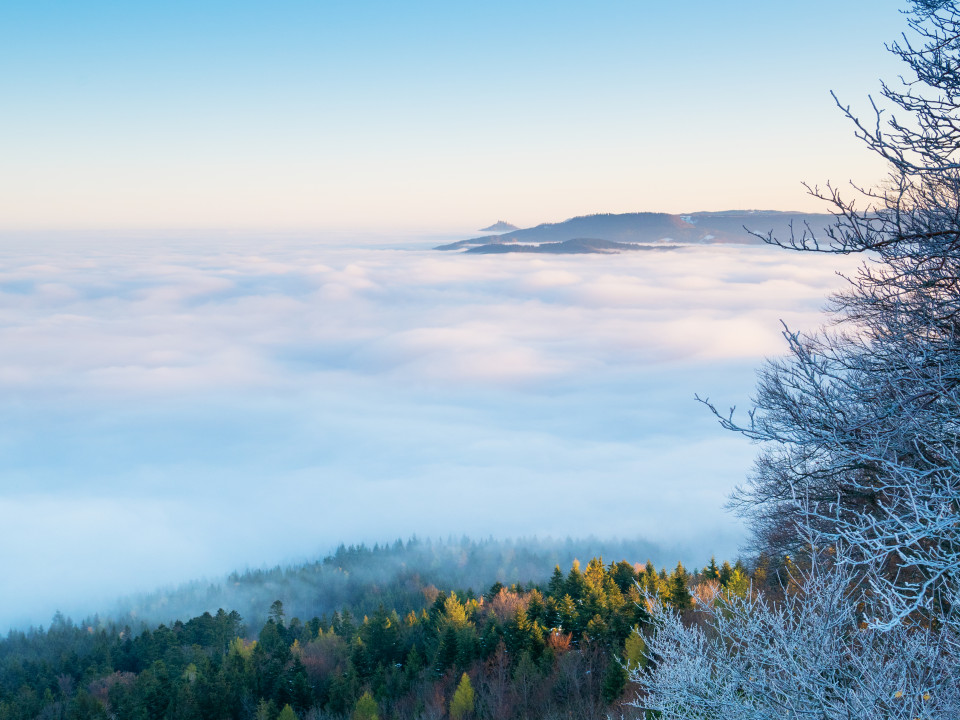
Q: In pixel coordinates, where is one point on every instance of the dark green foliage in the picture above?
(678, 590)
(497, 587)
(527, 652)
(614, 681)
(623, 575)
(726, 572)
(85, 707)
(712, 572)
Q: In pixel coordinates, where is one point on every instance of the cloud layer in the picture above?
(175, 408)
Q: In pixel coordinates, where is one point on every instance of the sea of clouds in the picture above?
(180, 407)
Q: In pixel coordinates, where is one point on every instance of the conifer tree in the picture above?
(575, 585)
(614, 681)
(726, 572)
(712, 572)
(678, 590)
(556, 586)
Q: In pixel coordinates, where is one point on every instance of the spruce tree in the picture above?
(678, 592)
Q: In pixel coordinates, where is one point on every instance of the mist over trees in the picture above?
(856, 493)
(393, 574)
(549, 650)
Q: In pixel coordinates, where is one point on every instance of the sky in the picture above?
(425, 115)
(225, 340)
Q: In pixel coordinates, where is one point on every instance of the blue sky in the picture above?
(424, 115)
(224, 340)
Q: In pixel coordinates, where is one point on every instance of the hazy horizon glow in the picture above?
(425, 115)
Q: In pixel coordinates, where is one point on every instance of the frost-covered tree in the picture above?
(859, 476)
(807, 656)
(861, 422)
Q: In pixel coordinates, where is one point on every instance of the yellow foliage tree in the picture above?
(454, 611)
(634, 651)
(462, 704)
(739, 584)
(366, 708)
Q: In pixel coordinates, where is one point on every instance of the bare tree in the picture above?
(861, 422)
(859, 475)
(807, 656)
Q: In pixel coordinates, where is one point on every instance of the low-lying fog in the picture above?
(182, 408)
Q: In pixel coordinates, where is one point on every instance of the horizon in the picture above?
(410, 233)
(374, 117)
(218, 301)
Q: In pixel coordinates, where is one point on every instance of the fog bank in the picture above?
(178, 408)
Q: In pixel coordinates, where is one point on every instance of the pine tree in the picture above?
(712, 572)
(726, 572)
(623, 575)
(614, 681)
(634, 650)
(678, 592)
(555, 587)
(575, 585)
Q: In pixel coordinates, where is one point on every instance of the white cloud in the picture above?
(161, 396)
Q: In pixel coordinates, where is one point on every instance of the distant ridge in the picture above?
(646, 228)
(500, 226)
(362, 578)
(579, 246)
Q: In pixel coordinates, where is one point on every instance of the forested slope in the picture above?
(551, 649)
(363, 578)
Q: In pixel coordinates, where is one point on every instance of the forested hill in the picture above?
(363, 577)
(647, 227)
(559, 649)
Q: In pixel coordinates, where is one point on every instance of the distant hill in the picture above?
(727, 227)
(578, 246)
(500, 227)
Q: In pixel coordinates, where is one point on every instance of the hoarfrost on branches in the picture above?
(807, 656)
(859, 475)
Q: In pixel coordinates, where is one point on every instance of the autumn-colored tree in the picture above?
(454, 611)
(739, 584)
(559, 641)
(635, 651)
(462, 703)
(366, 708)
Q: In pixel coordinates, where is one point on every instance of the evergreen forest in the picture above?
(559, 648)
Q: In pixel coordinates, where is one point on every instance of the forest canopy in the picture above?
(508, 651)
